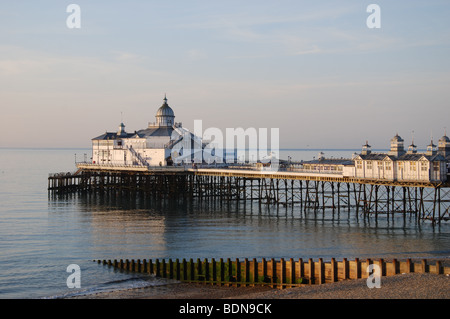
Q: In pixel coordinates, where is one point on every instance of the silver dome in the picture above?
(165, 115)
(165, 110)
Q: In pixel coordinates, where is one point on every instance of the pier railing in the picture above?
(273, 273)
(117, 167)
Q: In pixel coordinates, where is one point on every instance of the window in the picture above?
(413, 166)
(400, 165)
(380, 165)
(423, 166)
(359, 164)
(369, 164)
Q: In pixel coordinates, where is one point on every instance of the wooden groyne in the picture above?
(270, 272)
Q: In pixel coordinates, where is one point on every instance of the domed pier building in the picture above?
(162, 143)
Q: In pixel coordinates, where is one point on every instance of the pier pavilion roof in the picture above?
(156, 131)
(419, 156)
(376, 157)
(113, 136)
(404, 157)
(145, 133)
(330, 161)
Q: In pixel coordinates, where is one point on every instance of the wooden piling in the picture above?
(312, 192)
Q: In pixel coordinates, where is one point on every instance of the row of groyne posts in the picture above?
(423, 200)
(273, 273)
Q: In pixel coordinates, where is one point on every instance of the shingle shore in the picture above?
(402, 286)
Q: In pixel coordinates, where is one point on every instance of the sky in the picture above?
(312, 69)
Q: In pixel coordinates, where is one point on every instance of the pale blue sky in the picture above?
(310, 68)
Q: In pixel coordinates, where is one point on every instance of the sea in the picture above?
(43, 237)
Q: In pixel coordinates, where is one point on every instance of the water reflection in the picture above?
(137, 226)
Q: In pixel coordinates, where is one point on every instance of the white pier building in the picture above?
(152, 146)
(399, 164)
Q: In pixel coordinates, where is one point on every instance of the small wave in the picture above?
(115, 285)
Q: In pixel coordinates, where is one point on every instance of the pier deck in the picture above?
(258, 174)
(310, 191)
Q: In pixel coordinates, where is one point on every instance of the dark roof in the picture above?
(376, 156)
(112, 136)
(411, 157)
(418, 156)
(156, 131)
(330, 161)
(404, 157)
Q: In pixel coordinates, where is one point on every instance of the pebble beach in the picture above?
(401, 286)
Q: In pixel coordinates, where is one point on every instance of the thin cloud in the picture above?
(196, 54)
(242, 19)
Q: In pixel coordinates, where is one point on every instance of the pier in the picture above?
(306, 191)
(157, 161)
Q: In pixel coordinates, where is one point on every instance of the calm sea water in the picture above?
(40, 236)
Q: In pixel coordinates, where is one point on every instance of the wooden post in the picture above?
(438, 267)
(424, 266)
(292, 272)
(178, 276)
(283, 273)
(199, 268)
(274, 273)
(395, 266)
(164, 270)
(334, 272)
(151, 269)
(301, 269)
(409, 265)
(255, 271)
(247, 272)
(214, 270)
(382, 265)
(366, 271)
(222, 271)
(238, 271)
(321, 272)
(345, 267)
(144, 266)
(230, 270)
(311, 271)
(158, 268)
(358, 268)
(185, 271)
(192, 269)
(264, 269)
(170, 269)
(206, 270)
